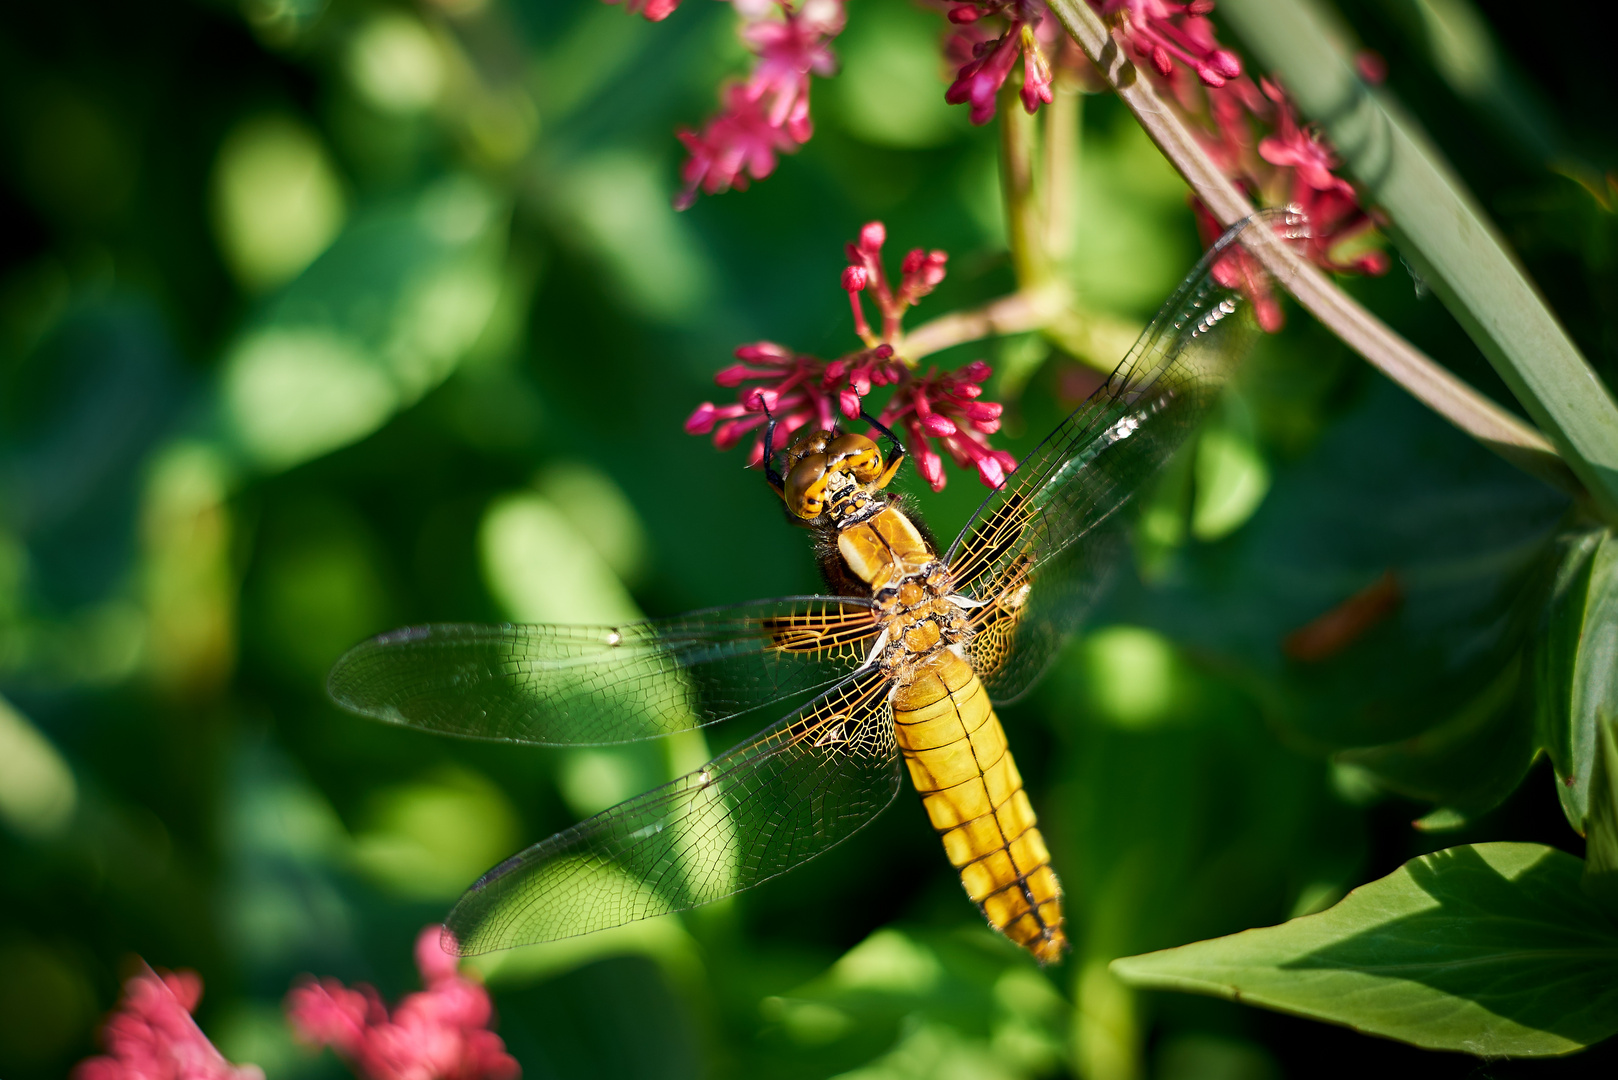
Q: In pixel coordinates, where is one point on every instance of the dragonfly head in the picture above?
(826, 471)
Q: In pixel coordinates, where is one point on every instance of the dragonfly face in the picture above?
(905, 672)
(835, 477)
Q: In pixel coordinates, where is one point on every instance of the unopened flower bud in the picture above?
(961, 14)
(1199, 7)
(977, 371)
(849, 402)
(700, 422)
(872, 237)
(733, 375)
(855, 278)
(991, 472)
(1225, 63)
(913, 261)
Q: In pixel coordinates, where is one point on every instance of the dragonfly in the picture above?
(905, 664)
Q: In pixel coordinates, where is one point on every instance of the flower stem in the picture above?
(1430, 383)
(1025, 224)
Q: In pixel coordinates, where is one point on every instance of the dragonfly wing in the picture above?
(582, 685)
(756, 811)
(1022, 556)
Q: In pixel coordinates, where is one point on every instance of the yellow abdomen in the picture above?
(959, 762)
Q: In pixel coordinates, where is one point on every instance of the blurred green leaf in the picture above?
(378, 320)
(430, 838)
(1390, 490)
(38, 794)
(889, 90)
(277, 200)
(919, 1004)
(1467, 764)
(1489, 949)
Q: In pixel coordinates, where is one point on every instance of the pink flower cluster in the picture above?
(440, 1033)
(807, 393)
(1250, 130)
(151, 1036)
(984, 60)
(769, 113)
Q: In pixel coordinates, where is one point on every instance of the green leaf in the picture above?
(1561, 731)
(1469, 763)
(1445, 234)
(1490, 949)
(1601, 826)
(1583, 693)
(386, 314)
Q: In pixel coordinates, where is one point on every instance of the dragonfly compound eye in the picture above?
(857, 456)
(806, 486)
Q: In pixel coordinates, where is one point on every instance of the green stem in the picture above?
(1385, 349)
(1025, 226)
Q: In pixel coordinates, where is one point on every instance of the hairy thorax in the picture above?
(911, 586)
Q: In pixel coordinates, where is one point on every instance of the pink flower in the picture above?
(738, 143)
(769, 113)
(151, 1036)
(807, 393)
(440, 1033)
(654, 10)
(984, 62)
(1164, 33)
(1286, 164)
(944, 407)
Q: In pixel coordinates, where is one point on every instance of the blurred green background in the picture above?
(319, 317)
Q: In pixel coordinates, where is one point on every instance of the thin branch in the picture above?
(1017, 313)
(1429, 382)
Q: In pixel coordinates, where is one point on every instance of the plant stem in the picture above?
(1386, 350)
(1442, 230)
(1025, 226)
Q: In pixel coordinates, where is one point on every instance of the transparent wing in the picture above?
(1022, 555)
(592, 685)
(758, 810)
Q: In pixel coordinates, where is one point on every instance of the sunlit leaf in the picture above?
(378, 320)
(1490, 949)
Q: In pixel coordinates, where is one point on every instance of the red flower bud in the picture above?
(700, 422)
(855, 278)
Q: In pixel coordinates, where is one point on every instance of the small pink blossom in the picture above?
(944, 407)
(805, 393)
(984, 61)
(1251, 132)
(440, 1033)
(151, 1036)
(738, 143)
(654, 10)
(768, 114)
(1164, 34)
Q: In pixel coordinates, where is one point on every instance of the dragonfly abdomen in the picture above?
(958, 759)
